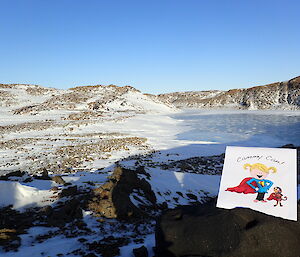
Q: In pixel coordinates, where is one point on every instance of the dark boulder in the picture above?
(17, 173)
(69, 211)
(205, 230)
(69, 191)
(108, 246)
(140, 252)
(12, 224)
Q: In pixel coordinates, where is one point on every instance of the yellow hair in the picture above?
(260, 166)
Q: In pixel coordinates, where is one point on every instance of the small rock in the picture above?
(192, 196)
(9, 239)
(29, 179)
(17, 173)
(69, 191)
(45, 173)
(140, 252)
(55, 189)
(47, 210)
(58, 180)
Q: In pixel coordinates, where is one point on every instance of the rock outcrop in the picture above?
(95, 100)
(12, 224)
(279, 95)
(112, 200)
(209, 231)
(33, 99)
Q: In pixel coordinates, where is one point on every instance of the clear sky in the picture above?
(156, 46)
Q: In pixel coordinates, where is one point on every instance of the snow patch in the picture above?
(21, 196)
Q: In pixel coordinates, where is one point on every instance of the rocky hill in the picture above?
(46, 128)
(32, 99)
(279, 95)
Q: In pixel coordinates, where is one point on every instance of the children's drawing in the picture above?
(261, 179)
(277, 196)
(257, 183)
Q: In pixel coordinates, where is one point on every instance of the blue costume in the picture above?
(263, 186)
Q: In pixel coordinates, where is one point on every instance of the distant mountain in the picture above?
(279, 95)
(33, 99)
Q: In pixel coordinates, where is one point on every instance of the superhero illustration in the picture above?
(277, 196)
(257, 183)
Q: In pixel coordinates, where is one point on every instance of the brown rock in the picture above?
(69, 191)
(112, 199)
(58, 180)
(9, 239)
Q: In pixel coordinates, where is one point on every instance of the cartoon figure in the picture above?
(256, 183)
(277, 196)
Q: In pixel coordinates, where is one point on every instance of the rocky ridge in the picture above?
(33, 99)
(279, 95)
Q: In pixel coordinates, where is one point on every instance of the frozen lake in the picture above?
(239, 128)
(181, 135)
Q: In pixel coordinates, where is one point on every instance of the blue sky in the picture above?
(156, 46)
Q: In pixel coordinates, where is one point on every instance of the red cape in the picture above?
(243, 187)
(272, 197)
(277, 197)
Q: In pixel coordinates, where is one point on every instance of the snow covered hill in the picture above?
(33, 99)
(276, 96)
(45, 128)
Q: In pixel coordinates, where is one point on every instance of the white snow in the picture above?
(21, 196)
(168, 183)
(51, 247)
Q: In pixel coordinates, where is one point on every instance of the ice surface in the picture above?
(240, 128)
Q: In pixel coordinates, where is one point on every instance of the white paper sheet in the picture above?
(262, 179)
